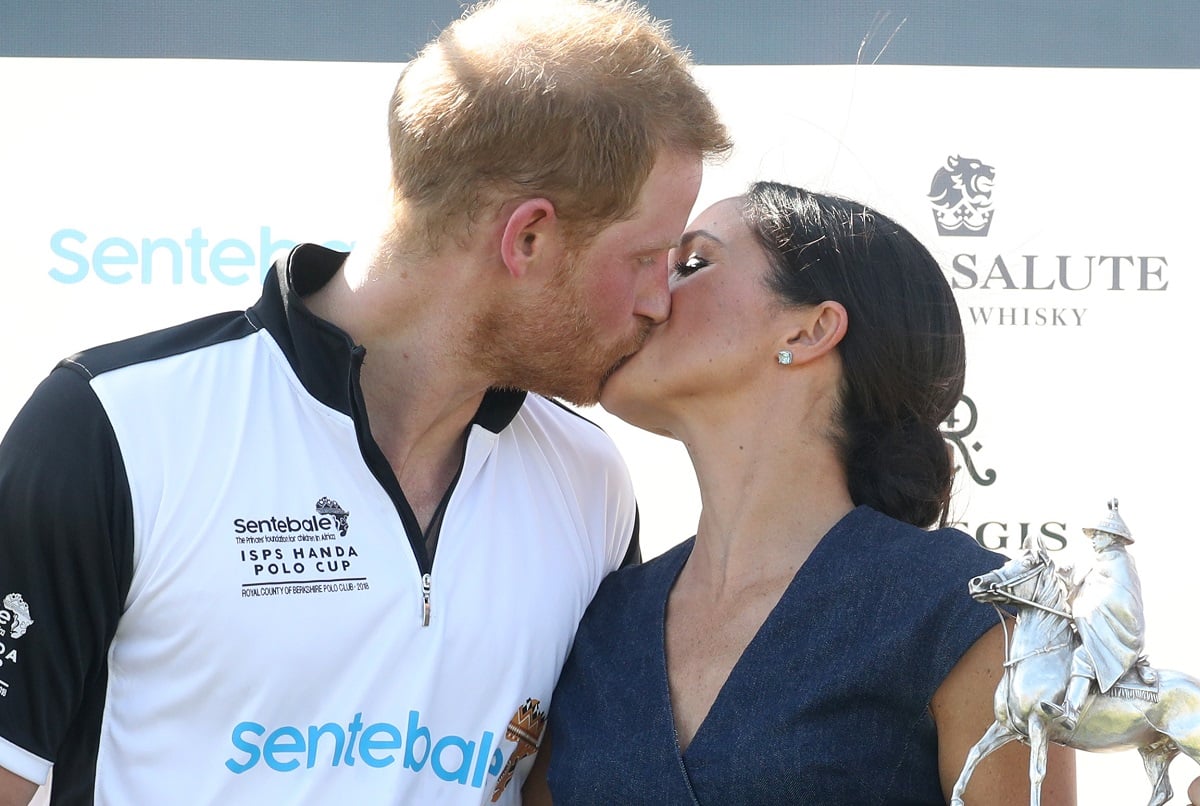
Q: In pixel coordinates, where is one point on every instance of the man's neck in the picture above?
(420, 390)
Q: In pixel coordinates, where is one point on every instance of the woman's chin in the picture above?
(612, 400)
(625, 397)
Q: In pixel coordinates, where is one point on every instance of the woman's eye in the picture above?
(692, 264)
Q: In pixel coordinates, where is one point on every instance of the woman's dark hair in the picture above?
(903, 355)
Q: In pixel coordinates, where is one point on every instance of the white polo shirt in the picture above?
(214, 590)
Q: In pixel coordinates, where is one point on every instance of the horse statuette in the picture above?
(1075, 674)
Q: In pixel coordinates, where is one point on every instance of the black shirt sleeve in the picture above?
(633, 555)
(66, 548)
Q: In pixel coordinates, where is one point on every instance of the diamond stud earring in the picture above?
(784, 357)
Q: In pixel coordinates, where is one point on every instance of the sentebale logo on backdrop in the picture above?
(193, 259)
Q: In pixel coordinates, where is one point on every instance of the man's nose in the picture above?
(654, 295)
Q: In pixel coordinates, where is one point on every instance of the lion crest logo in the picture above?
(961, 195)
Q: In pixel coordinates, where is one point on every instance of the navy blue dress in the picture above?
(829, 703)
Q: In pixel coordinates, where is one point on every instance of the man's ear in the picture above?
(820, 329)
(528, 235)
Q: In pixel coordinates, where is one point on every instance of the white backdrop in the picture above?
(136, 194)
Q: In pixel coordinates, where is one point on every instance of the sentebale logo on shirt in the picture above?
(454, 759)
(15, 620)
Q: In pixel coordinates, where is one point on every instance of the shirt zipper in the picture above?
(425, 584)
(387, 479)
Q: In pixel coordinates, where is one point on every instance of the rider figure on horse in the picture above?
(1107, 611)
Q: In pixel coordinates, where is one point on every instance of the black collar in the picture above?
(323, 356)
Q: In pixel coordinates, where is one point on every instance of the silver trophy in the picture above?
(1075, 674)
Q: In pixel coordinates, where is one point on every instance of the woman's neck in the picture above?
(769, 491)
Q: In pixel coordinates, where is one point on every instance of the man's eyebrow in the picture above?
(659, 246)
(688, 237)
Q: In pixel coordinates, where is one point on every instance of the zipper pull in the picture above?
(425, 595)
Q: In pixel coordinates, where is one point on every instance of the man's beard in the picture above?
(549, 344)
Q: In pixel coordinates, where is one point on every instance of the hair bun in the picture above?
(903, 470)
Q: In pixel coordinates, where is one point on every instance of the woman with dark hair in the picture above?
(814, 642)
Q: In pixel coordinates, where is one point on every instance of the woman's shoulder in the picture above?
(924, 575)
(912, 546)
(926, 569)
(648, 574)
(629, 592)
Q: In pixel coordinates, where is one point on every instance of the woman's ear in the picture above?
(528, 235)
(820, 329)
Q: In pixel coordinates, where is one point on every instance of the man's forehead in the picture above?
(657, 231)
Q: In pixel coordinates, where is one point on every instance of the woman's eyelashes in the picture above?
(693, 263)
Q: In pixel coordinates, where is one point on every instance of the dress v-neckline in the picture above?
(815, 558)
